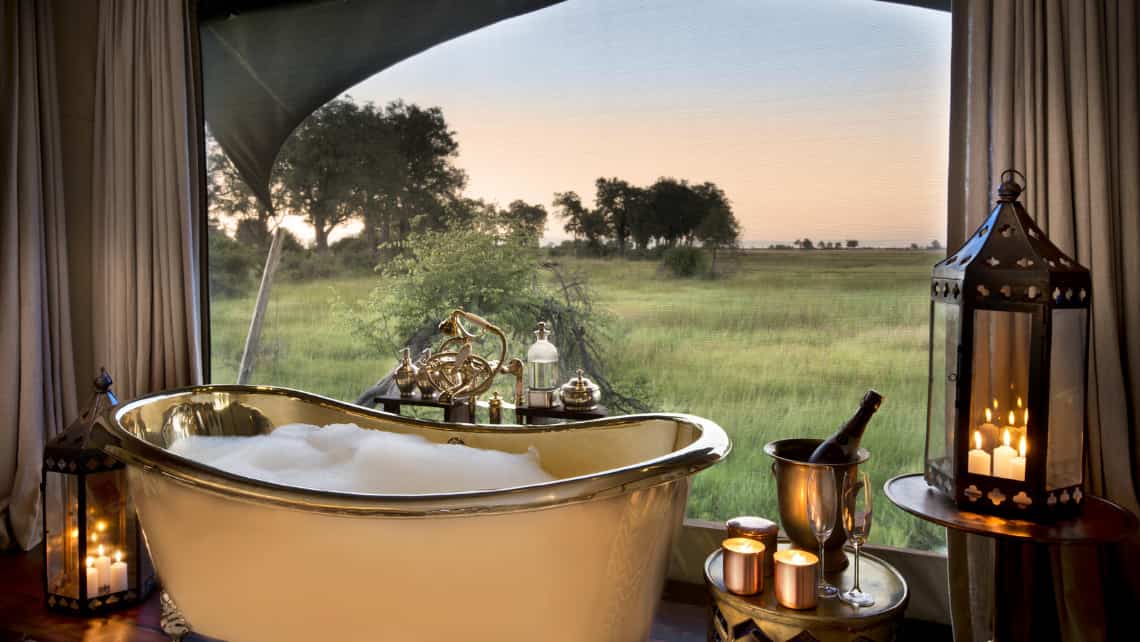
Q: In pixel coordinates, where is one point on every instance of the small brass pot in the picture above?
(580, 393)
(791, 469)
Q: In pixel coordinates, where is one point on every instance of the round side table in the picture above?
(755, 618)
(1100, 522)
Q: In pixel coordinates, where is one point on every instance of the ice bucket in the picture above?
(791, 470)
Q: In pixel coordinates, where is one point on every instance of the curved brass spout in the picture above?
(455, 369)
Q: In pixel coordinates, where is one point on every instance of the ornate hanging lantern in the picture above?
(1008, 357)
(94, 558)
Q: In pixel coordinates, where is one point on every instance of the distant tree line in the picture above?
(670, 213)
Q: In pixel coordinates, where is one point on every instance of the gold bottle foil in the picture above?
(743, 565)
(762, 530)
(796, 573)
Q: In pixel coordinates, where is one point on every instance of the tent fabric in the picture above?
(265, 71)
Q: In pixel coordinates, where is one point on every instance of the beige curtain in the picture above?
(1051, 88)
(37, 395)
(146, 195)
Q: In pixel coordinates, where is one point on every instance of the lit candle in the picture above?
(743, 565)
(118, 573)
(989, 433)
(92, 577)
(979, 462)
(1003, 458)
(795, 579)
(1017, 464)
(103, 565)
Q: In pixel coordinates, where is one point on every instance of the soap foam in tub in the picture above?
(346, 457)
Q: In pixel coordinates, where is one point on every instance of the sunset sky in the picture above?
(825, 119)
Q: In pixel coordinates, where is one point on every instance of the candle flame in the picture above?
(1019, 402)
(995, 404)
(94, 537)
(978, 440)
(90, 561)
(1027, 416)
(101, 546)
(1012, 419)
(989, 416)
(101, 526)
(1005, 438)
(1022, 447)
(75, 533)
(798, 559)
(119, 554)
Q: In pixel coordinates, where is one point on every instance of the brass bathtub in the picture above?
(579, 559)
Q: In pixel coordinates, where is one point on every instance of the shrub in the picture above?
(234, 266)
(685, 261)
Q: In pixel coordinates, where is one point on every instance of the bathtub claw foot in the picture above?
(173, 623)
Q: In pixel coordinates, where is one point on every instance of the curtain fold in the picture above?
(38, 395)
(147, 205)
(1051, 88)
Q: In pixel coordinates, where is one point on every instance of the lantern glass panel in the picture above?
(944, 326)
(110, 525)
(1065, 456)
(1000, 378)
(61, 521)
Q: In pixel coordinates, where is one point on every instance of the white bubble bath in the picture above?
(348, 458)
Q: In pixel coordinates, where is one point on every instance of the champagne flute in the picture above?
(821, 515)
(857, 500)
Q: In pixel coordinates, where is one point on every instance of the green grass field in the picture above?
(783, 346)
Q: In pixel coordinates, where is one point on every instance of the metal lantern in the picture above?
(1008, 355)
(94, 558)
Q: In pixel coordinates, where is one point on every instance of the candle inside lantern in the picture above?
(796, 579)
(92, 577)
(118, 573)
(989, 433)
(1003, 458)
(1017, 464)
(103, 566)
(743, 565)
(979, 459)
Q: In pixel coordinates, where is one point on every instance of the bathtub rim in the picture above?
(711, 446)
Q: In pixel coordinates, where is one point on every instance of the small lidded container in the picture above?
(580, 393)
(759, 529)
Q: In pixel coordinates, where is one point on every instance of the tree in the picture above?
(852, 243)
(677, 208)
(718, 229)
(391, 166)
(524, 221)
(806, 244)
(320, 165)
(621, 204)
(229, 197)
(581, 222)
(934, 245)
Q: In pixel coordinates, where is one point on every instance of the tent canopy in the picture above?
(267, 65)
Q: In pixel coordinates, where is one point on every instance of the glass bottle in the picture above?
(542, 370)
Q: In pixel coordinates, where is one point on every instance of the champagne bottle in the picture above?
(842, 445)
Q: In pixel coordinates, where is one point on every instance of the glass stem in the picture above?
(821, 563)
(857, 589)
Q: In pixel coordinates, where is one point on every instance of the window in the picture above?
(752, 194)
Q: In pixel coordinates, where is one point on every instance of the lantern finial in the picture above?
(103, 381)
(1009, 189)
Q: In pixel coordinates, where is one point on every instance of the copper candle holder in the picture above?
(796, 579)
(762, 530)
(743, 565)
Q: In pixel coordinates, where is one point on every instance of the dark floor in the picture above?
(23, 617)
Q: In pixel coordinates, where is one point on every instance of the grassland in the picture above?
(784, 345)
